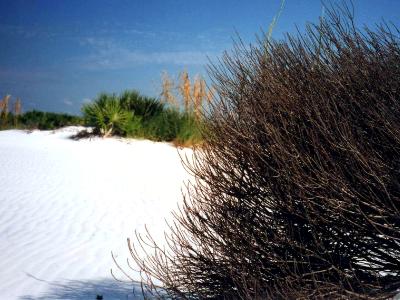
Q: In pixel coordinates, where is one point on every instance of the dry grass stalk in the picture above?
(17, 111)
(274, 21)
(17, 107)
(193, 94)
(4, 105)
(167, 96)
(185, 89)
(199, 95)
(4, 109)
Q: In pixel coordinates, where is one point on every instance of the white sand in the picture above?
(65, 205)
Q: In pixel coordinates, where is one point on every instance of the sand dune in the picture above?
(65, 205)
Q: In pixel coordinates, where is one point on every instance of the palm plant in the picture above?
(107, 116)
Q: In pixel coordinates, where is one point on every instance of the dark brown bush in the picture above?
(297, 185)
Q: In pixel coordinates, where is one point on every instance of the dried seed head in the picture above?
(167, 95)
(185, 88)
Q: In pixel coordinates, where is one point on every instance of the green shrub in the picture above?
(7, 121)
(108, 117)
(134, 115)
(189, 131)
(145, 107)
(164, 126)
(46, 120)
(173, 126)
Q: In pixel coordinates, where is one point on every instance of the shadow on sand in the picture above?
(107, 289)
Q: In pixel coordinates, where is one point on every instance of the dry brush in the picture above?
(297, 191)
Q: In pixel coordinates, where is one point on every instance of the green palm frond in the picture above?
(107, 116)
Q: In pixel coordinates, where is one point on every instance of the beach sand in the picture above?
(65, 205)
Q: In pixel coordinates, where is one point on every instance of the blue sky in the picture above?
(57, 54)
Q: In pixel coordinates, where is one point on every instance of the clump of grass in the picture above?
(195, 96)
